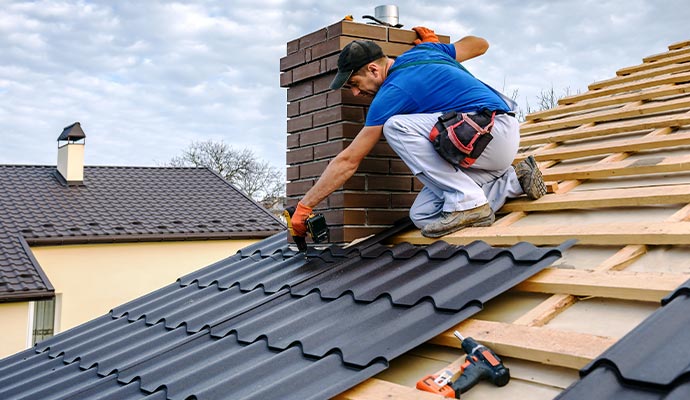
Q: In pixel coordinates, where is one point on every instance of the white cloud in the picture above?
(145, 78)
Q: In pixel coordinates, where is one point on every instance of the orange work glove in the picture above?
(299, 219)
(425, 35)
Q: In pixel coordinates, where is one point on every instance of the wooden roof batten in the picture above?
(650, 105)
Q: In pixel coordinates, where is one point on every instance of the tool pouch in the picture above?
(460, 138)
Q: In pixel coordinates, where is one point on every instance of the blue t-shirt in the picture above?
(430, 87)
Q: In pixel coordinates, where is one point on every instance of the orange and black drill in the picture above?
(316, 229)
(460, 375)
(481, 363)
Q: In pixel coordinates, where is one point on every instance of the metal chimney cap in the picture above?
(72, 133)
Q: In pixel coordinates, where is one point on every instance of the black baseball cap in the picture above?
(353, 57)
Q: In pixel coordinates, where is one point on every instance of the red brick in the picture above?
(292, 60)
(335, 30)
(342, 216)
(314, 136)
(313, 103)
(293, 141)
(382, 149)
(398, 167)
(286, 79)
(346, 130)
(298, 188)
(385, 217)
(323, 83)
(313, 38)
(300, 90)
(306, 71)
(416, 184)
(327, 48)
(356, 182)
(299, 123)
(311, 170)
(337, 114)
(400, 200)
(293, 109)
(330, 63)
(348, 98)
(358, 200)
(292, 46)
(300, 155)
(292, 173)
(373, 165)
(392, 183)
(364, 31)
(329, 149)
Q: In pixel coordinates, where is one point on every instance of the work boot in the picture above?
(530, 178)
(456, 220)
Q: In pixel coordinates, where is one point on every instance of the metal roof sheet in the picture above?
(231, 331)
(113, 204)
(652, 359)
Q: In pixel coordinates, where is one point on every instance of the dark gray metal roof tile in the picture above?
(115, 203)
(651, 362)
(197, 337)
(604, 384)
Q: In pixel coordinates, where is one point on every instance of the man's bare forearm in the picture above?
(334, 176)
(343, 166)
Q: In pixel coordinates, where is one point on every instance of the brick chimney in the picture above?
(321, 122)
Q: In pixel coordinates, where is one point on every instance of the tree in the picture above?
(254, 177)
(546, 100)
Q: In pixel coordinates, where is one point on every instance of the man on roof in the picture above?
(457, 135)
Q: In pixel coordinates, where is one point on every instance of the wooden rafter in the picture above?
(548, 346)
(602, 234)
(589, 131)
(599, 102)
(608, 115)
(642, 196)
(610, 284)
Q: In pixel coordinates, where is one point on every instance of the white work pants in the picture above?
(446, 188)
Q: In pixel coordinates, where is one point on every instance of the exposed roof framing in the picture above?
(617, 158)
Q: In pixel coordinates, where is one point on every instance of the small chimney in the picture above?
(70, 162)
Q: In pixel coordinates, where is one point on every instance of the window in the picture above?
(44, 320)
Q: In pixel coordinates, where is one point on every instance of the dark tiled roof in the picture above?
(269, 323)
(650, 362)
(114, 204)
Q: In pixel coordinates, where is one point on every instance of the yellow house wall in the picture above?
(14, 320)
(93, 279)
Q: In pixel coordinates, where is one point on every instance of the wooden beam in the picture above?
(377, 389)
(640, 286)
(624, 257)
(645, 166)
(589, 131)
(607, 115)
(546, 310)
(657, 58)
(593, 104)
(642, 74)
(618, 146)
(669, 76)
(621, 234)
(682, 56)
(622, 197)
(544, 345)
(679, 45)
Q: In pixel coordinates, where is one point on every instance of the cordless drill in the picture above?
(316, 228)
(481, 363)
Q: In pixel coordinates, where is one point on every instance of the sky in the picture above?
(145, 78)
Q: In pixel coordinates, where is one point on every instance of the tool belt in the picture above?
(460, 138)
